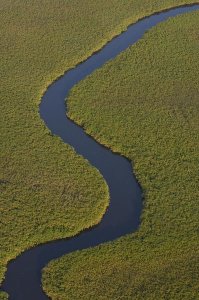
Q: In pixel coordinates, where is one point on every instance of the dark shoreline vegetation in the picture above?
(39, 183)
(148, 113)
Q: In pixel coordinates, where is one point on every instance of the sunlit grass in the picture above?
(3, 296)
(47, 191)
(144, 104)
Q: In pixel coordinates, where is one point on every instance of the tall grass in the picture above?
(144, 104)
(47, 191)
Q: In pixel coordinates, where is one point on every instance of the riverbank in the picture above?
(38, 169)
(148, 113)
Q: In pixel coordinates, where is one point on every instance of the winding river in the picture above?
(23, 276)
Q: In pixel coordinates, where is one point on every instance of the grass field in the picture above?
(145, 105)
(3, 296)
(43, 182)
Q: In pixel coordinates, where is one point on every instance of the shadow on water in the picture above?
(23, 276)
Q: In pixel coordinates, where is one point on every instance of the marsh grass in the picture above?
(47, 191)
(144, 104)
(3, 296)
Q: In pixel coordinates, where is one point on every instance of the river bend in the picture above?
(23, 276)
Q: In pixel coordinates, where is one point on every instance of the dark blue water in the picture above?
(23, 277)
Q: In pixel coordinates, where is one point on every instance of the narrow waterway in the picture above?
(23, 276)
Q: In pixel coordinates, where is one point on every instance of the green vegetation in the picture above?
(47, 191)
(145, 105)
(3, 296)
